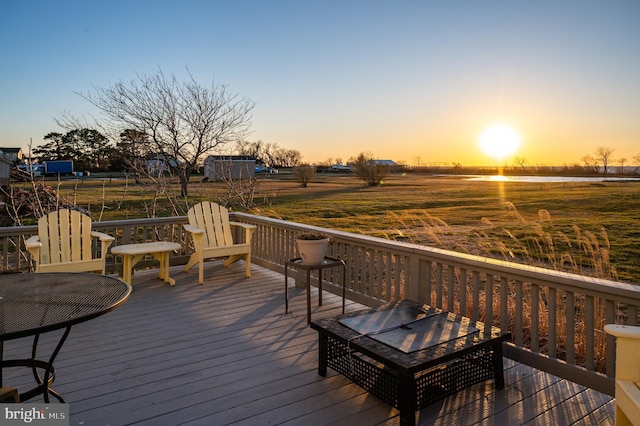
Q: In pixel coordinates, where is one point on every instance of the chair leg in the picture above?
(247, 261)
(9, 394)
(231, 259)
(193, 259)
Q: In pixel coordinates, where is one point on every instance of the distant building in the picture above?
(5, 171)
(220, 167)
(14, 155)
(159, 164)
(389, 163)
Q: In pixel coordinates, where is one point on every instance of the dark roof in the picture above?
(231, 158)
(10, 150)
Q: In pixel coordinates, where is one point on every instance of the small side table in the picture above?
(327, 262)
(132, 253)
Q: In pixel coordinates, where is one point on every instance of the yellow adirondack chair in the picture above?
(627, 373)
(63, 243)
(210, 231)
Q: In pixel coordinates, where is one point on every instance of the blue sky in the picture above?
(405, 80)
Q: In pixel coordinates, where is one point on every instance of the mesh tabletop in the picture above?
(35, 303)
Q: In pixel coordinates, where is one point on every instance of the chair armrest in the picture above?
(248, 230)
(33, 242)
(193, 230)
(627, 350)
(106, 241)
(243, 225)
(624, 331)
(101, 236)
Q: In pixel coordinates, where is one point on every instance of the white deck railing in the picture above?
(556, 318)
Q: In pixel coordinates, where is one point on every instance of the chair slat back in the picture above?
(65, 236)
(214, 219)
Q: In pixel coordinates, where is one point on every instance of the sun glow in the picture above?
(499, 141)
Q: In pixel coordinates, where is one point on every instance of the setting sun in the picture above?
(499, 141)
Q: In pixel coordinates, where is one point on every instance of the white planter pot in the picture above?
(312, 251)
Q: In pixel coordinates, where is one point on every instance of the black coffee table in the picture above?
(410, 355)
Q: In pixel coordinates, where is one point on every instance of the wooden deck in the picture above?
(225, 353)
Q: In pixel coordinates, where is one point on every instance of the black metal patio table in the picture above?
(32, 304)
(410, 355)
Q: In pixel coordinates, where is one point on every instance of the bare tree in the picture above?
(622, 162)
(269, 153)
(520, 161)
(288, 157)
(253, 149)
(590, 163)
(603, 153)
(183, 120)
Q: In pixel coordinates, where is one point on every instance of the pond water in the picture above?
(534, 179)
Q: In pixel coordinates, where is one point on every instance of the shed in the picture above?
(220, 167)
(5, 171)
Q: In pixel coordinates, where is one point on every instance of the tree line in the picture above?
(93, 151)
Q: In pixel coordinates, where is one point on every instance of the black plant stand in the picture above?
(327, 262)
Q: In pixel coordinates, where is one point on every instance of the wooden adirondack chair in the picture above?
(64, 243)
(627, 388)
(210, 230)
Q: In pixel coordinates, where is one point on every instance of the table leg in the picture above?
(407, 404)
(322, 354)
(43, 383)
(1, 358)
(126, 268)
(308, 296)
(163, 258)
(167, 257)
(320, 287)
(344, 283)
(286, 288)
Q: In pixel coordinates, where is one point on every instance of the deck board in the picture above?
(226, 353)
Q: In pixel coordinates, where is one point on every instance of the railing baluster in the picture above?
(504, 303)
(589, 332)
(475, 309)
(535, 317)
(451, 289)
(518, 314)
(552, 312)
(488, 295)
(463, 292)
(570, 327)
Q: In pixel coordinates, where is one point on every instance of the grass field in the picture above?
(585, 227)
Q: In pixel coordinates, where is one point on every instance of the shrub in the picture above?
(304, 173)
(370, 171)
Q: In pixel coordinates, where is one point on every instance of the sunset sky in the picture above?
(404, 80)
